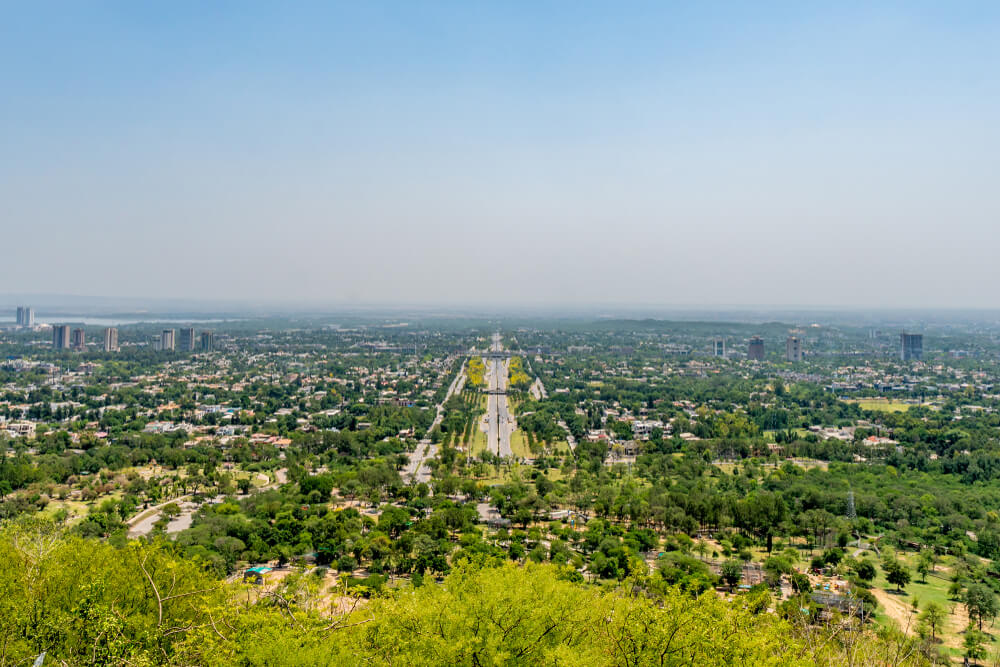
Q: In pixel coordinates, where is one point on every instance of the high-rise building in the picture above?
(60, 336)
(207, 341)
(25, 316)
(157, 345)
(167, 340)
(78, 340)
(793, 349)
(186, 342)
(111, 339)
(755, 350)
(719, 347)
(911, 347)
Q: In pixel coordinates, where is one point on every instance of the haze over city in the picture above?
(451, 333)
(513, 153)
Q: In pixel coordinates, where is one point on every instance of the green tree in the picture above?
(981, 603)
(865, 570)
(933, 617)
(925, 564)
(732, 572)
(896, 573)
(800, 583)
(975, 645)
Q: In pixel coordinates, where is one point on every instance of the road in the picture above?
(537, 390)
(570, 440)
(142, 524)
(499, 422)
(280, 477)
(417, 470)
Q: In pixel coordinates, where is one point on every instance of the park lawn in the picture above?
(255, 478)
(808, 464)
(507, 472)
(560, 447)
(76, 509)
(554, 474)
(935, 590)
(766, 467)
(770, 433)
(255, 481)
(493, 478)
(882, 405)
(477, 443)
(519, 445)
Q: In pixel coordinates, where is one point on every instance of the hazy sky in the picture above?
(795, 153)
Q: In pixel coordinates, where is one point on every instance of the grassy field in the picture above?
(76, 509)
(882, 405)
(560, 447)
(510, 471)
(477, 444)
(899, 606)
(766, 468)
(519, 445)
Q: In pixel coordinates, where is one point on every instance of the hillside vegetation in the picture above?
(87, 602)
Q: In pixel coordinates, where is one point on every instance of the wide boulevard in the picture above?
(500, 424)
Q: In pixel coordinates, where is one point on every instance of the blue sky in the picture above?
(702, 153)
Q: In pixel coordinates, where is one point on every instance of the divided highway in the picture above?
(499, 422)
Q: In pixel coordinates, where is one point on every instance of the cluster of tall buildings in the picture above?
(184, 340)
(25, 316)
(64, 338)
(911, 348)
(756, 351)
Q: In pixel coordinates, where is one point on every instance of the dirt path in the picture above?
(896, 608)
